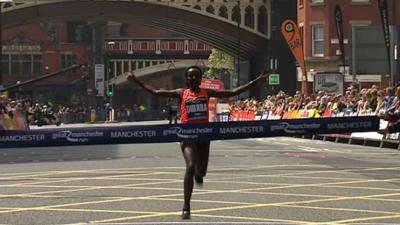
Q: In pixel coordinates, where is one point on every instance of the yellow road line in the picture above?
(248, 190)
(255, 219)
(366, 219)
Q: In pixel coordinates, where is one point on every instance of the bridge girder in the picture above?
(216, 33)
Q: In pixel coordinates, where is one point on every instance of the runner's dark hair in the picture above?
(193, 67)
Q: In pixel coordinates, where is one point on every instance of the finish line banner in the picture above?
(187, 132)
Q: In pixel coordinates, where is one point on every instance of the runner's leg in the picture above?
(188, 151)
(202, 157)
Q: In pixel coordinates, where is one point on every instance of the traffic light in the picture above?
(110, 90)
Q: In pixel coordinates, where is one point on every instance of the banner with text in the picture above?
(186, 132)
(293, 38)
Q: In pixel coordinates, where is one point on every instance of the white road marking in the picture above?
(307, 148)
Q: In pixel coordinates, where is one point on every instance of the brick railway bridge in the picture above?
(241, 28)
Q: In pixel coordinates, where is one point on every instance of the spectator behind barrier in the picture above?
(392, 115)
(12, 114)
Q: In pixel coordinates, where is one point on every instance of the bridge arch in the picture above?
(212, 22)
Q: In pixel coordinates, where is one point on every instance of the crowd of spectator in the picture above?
(367, 101)
(354, 101)
(46, 113)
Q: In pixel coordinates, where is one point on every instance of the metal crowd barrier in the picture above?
(102, 116)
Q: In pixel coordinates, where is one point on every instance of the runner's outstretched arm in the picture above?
(174, 93)
(236, 91)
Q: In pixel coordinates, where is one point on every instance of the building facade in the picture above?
(34, 50)
(31, 51)
(316, 20)
(50, 46)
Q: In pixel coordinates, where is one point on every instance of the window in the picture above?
(223, 12)
(317, 2)
(301, 3)
(22, 65)
(318, 41)
(140, 64)
(68, 59)
(37, 64)
(26, 64)
(15, 68)
(360, 2)
(249, 17)
(119, 68)
(111, 69)
(133, 65)
(262, 20)
(126, 66)
(5, 64)
(113, 29)
(210, 9)
(236, 14)
(78, 32)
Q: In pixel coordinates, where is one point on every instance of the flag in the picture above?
(339, 32)
(293, 38)
(385, 27)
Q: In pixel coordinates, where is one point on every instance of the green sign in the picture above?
(273, 79)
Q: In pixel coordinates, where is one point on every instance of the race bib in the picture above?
(197, 109)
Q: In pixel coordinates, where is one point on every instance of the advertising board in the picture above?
(99, 79)
(330, 82)
(212, 103)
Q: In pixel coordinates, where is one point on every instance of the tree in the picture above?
(220, 64)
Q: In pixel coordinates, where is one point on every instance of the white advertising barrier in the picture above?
(376, 135)
(357, 135)
(367, 135)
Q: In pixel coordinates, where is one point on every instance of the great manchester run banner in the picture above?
(177, 133)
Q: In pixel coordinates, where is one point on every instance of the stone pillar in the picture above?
(256, 19)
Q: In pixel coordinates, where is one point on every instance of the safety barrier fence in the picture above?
(372, 138)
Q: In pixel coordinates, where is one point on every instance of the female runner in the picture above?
(194, 110)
